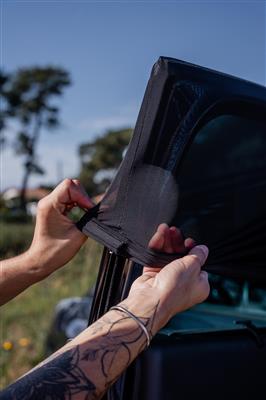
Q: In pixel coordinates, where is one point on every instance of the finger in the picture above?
(79, 195)
(165, 231)
(162, 228)
(69, 194)
(157, 241)
(177, 240)
(189, 243)
(148, 270)
(168, 247)
(79, 186)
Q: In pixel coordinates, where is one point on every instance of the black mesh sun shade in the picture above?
(197, 161)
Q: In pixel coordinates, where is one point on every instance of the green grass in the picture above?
(14, 238)
(30, 314)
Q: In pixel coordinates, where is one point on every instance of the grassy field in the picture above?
(14, 238)
(25, 320)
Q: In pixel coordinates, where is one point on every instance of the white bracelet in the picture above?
(139, 322)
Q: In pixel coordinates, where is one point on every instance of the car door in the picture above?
(199, 146)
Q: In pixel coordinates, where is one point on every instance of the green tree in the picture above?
(4, 112)
(101, 158)
(29, 93)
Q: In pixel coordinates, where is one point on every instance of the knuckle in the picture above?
(42, 204)
(67, 182)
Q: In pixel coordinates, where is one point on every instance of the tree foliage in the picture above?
(100, 159)
(4, 79)
(28, 94)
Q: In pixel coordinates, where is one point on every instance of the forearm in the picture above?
(16, 274)
(90, 363)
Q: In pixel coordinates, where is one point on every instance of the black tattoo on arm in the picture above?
(111, 346)
(57, 380)
(61, 377)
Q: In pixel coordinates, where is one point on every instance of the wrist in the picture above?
(147, 306)
(35, 266)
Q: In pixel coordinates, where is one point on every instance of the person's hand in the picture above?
(170, 240)
(180, 284)
(56, 239)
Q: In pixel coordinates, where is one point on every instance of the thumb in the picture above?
(201, 252)
(192, 262)
(196, 258)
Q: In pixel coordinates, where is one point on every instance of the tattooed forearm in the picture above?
(88, 365)
(113, 342)
(58, 379)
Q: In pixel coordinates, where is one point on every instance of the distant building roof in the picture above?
(31, 194)
(37, 194)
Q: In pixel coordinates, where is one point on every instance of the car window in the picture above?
(222, 193)
(222, 202)
(224, 175)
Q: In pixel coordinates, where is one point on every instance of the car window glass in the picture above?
(225, 197)
(222, 180)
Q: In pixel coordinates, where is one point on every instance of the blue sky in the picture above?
(109, 48)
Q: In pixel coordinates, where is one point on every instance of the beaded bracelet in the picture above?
(139, 322)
